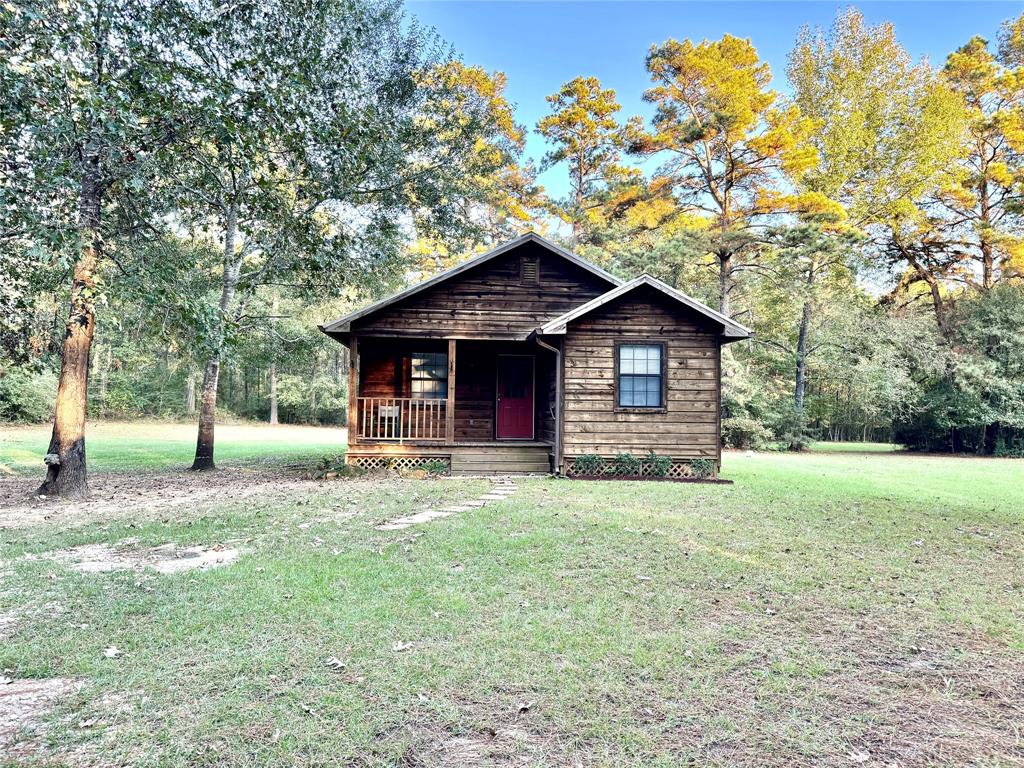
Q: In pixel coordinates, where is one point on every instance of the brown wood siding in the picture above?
(384, 372)
(490, 301)
(687, 427)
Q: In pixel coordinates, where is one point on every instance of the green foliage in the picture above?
(1009, 448)
(26, 395)
(745, 433)
(794, 430)
(627, 465)
(331, 467)
(588, 465)
(702, 468)
(659, 465)
(435, 467)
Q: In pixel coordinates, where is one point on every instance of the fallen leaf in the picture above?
(859, 756)
(88, 723)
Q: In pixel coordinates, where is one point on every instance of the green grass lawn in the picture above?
(854, 447)
(134, 446)
(829, 609)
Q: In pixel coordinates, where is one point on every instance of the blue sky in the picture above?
(540, 45)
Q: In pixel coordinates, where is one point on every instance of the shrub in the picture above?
(1012, 448)
(588, 464)
(435, 467)
(794, 431)
(27, 396)
(627, 464)
(660, 465)
(702, 468)
(745, 433)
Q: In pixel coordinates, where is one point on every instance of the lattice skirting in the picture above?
(679, 469)
(398, 463)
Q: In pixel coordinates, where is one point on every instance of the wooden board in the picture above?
(688, 427)
(491, 300)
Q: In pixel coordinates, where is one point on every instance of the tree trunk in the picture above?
(65, 458)
(208, 405)
(190, 394)
(273, 369)
(801, 359)
(273, 393)
(725, 283)
(207, 412)
(987, 258)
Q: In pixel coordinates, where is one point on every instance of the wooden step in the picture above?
(501, 459)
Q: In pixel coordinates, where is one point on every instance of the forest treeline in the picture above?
(189, 187)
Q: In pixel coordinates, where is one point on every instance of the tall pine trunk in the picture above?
(725, 283)
(273, 393)
(65, 458)
(273, 371)
(211, 373)
(800, 389)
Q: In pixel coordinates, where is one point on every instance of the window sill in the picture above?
(639, 409)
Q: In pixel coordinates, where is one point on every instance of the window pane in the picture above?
(429, 375)
(640, 376)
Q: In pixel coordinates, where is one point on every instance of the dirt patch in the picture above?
(511, 746)
(8, 621)
(24, 705)
(166, 559)
(813, 690)
(152, 496)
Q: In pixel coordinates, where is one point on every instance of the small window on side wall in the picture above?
(641, 376)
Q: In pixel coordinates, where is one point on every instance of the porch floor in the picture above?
(470, 457)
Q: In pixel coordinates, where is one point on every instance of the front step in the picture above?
(502, 460)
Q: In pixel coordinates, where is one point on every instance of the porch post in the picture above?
(449, 420)
(353, 390)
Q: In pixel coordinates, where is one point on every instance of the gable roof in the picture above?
(730, 328)
(344, 324)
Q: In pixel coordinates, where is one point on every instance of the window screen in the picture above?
(429, 374)
(640, 376)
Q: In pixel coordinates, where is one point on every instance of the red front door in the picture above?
(515, 397)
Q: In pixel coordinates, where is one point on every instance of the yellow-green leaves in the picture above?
(587, 136)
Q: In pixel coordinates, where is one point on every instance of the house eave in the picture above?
(731, 330)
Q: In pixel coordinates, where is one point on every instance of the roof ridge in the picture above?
(342, 324)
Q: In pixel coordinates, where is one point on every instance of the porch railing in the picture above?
(402, 418)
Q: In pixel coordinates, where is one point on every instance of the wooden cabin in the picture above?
(525, 358)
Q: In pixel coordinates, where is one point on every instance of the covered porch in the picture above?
(478, 406)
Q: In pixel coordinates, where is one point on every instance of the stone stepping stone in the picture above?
(420, 517)
(500, 491)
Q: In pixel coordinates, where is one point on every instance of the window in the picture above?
(641, 375)
(429, 374)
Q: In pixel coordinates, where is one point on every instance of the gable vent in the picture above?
(530, 270)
